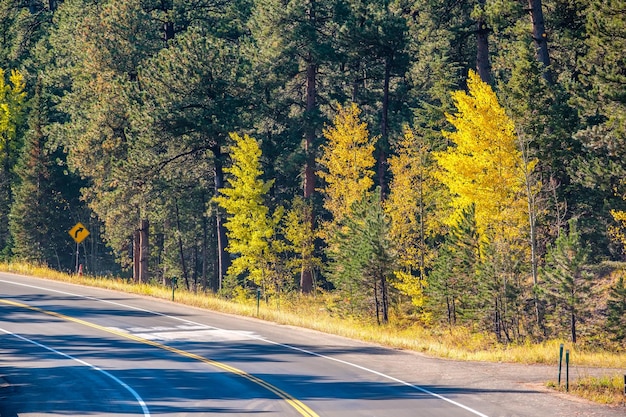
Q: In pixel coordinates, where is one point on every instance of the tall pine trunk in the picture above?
(136, 256)
(6, 199)
(384, 130)
(540, 37)
(573, 325)
(205, 258)
(181, 252)
(483, 67)
(223, 260)
(306, 275)
(144, 250)
(384, 298)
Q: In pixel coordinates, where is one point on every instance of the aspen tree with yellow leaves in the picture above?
(347, 164)
(410, 206)
(12, 110)
(300, 238)
(483, 168)
(12, 96)
(251, 227)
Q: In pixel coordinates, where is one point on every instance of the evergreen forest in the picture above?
(437, 162)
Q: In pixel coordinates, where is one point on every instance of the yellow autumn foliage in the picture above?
(250, 226)
(618, 232)
(12, 96)
(483, 166)
(347, 160)
(410, 207)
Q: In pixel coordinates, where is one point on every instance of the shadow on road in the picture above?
(42, 382)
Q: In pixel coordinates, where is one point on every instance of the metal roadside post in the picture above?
(77, 256)
(567, 370)
(258, 300)
(174, 282)
(560, 362)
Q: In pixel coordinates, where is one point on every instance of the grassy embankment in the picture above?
(456, 343)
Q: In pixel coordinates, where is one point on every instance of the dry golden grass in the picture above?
(608, 390)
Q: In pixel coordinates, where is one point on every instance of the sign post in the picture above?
(78, 233)
(174, 283)
(560, 362)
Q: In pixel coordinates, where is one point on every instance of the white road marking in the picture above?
(260, 338)
(142, 404)
(195, 333)
(166, 329)
(188, 333)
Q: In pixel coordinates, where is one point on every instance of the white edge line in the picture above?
(319, 355)
(142, 404)
(408, 384)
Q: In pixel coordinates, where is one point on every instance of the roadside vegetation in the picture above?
(608, 389)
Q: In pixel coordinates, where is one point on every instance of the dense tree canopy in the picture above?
(428, 153)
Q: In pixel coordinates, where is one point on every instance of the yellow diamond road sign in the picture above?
(79, 232)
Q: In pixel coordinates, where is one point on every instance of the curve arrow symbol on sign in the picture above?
(79, 232)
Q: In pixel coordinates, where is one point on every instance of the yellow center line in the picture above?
(298, 405)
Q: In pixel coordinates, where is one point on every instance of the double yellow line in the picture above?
(298, 405)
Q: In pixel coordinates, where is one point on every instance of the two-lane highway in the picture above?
(72, 350)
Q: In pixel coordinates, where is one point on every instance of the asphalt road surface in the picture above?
(68, 350)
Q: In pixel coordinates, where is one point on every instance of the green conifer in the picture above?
(567, 280)
(616, 316)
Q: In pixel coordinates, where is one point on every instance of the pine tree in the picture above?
(293, 49)
(454, 290)
(363, 258)
(567, 281)
(598, 169)
(616, 308)
(100, 46)
(373, 39)
(540, 37)
(464, 26)
(45, 198)
(22, 25)
(192, 96)
(544, 124)
(603, 76)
